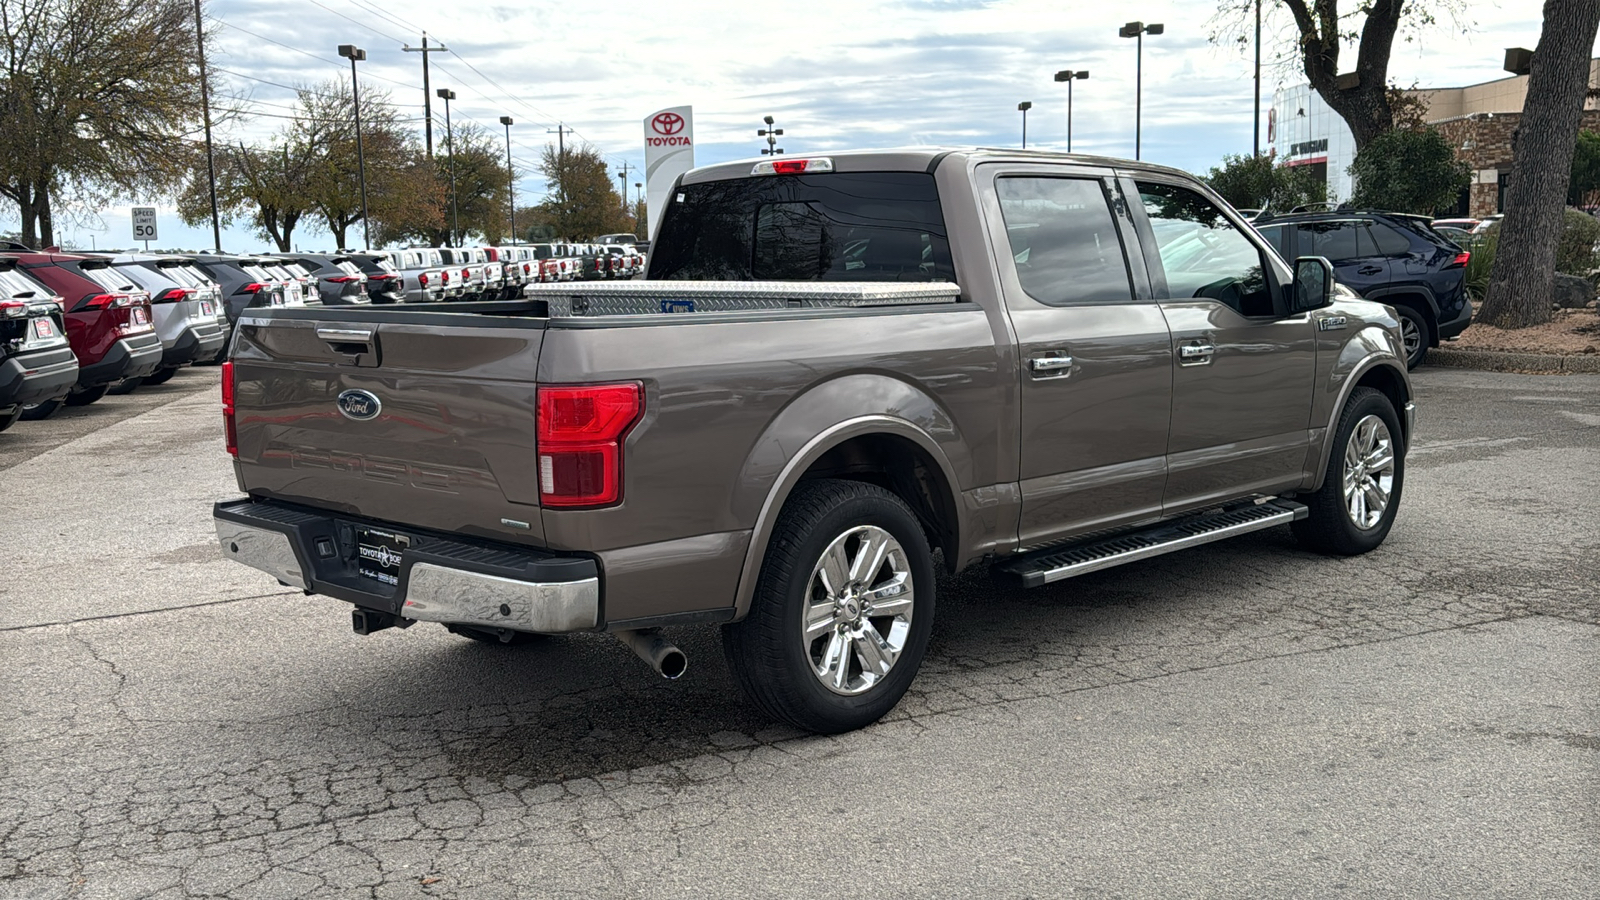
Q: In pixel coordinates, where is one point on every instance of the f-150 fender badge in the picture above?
(1331, 323)
(360, 405)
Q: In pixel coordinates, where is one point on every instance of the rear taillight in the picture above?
(444, 277)
(1460, 260)
(340, 279)
(227, 409)
(580, 432)
(254, 287)
(466, 273)
(423, 279)
(11, 309)
(99, 301)
(792, 166)
(170, 295)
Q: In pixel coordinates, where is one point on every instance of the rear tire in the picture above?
(89, 395)
(9, 419)
(125, 386)
(842, 612)
(1416, 335)
(1366, 466)
(161, 376)
(38, 412)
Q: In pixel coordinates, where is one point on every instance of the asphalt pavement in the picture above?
(1239, 720)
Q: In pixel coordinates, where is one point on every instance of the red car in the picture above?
(108, 323)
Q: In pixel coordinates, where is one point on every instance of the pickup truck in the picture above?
(840, 372)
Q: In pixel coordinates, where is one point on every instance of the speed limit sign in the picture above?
(144, 223)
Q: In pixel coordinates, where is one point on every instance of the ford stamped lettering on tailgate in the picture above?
(427, 477)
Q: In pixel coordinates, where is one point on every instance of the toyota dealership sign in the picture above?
(668, 153)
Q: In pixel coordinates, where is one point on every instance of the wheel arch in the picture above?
(909, 446)
(1384, 372)
(1416, 296)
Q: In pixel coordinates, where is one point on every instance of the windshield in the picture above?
(108, 278)
(15, 284)
(858, 226)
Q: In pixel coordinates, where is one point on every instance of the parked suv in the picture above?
(185, 320)
(108, 324)
(1393, 258)
(36, 362)
(339, 282)
(383, 279)
(244, 283)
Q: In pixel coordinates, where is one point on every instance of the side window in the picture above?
(1278, 237)
(1202, 253)
(1335, 241)
(1063, 240)
(1390, 242)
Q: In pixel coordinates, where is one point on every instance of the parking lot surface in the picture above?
(1239, 720)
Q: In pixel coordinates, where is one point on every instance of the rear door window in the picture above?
(16, 284)
(855, 226)
(1390, 242)
(1334, 241)
(1064, 242)
(108, 277)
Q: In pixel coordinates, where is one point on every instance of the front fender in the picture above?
(1369, 350)
(824, 417)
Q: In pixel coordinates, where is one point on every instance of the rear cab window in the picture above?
(835, 226)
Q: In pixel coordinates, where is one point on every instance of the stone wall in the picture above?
(1483, 142)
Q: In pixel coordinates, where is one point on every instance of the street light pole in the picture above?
(1257, 150)
(447, 95)
(205, 103)
(354, 53)
(1024, 106)
(771, 134)
(512, 175)
(1069, 76)
(1138, 30)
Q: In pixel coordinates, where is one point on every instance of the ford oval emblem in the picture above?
(360, 405)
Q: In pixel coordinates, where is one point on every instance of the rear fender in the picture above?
(812, 425)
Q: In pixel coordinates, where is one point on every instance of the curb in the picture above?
(1501, 361)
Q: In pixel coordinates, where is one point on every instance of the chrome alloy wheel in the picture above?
(1368, 472)
(1410, 336)
(857, 610)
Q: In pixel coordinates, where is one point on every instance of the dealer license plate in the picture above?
(44, 329)
(378, 554)
(206, 309)
(141, 316)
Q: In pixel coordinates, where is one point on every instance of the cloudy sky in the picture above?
(835, 74)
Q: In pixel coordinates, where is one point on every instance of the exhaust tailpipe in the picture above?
(660, 653)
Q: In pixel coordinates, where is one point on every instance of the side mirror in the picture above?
(1313, 283)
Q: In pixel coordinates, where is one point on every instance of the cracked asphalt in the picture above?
(1240, 720)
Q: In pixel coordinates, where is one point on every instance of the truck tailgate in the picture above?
(423, 419)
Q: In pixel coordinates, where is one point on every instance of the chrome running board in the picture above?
(1057, 563)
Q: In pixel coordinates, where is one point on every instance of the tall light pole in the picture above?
(205, 103)
(1258, 79)
(771, 134)
(638, 198)
(1023, 107)
(447, 95)
(1069, 76)
(511, 174)
(1137, 31)
(355, 54)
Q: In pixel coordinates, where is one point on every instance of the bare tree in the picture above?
(1521, 280)
(1320, 32)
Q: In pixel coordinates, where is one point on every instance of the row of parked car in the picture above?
(76, 326)
(429, 274)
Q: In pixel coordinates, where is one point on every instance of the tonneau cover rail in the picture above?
(629, 298)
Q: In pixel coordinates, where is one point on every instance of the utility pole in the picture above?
(447, 95)
(427, 95)
(205, 102)
(623, 177)
(1258, 79)
(561, 131)
(511, 174)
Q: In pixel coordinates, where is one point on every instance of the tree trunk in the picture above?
(1522, 280)
(29, 214)
(1364, 107)
(47, 228)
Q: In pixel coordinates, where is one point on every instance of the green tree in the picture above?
(1408, 171)
(1254, 182)
(1319, 30)
(1522, 280)
(263, 184)
(99, 99)
(1585, 168)
(584, 202)
(1580, 234)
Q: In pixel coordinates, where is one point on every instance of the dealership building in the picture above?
(1478, 120)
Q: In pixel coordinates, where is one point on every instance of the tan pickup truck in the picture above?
(841, 372)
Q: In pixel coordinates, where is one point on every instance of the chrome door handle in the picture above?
(1050, 366)
(1195, 354)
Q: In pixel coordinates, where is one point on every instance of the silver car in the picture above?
(185, 317)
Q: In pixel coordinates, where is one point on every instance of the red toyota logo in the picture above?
(667, 123)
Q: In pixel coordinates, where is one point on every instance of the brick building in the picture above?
(1478, 120)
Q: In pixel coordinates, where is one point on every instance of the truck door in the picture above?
(1243, 366)
(1094, 351)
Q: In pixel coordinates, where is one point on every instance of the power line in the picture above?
(325, 59)
(359, 22)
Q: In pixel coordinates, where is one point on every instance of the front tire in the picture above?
(842, 611)
(37, 412)
(161, 376)
(1355, 508)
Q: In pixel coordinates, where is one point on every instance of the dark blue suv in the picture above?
(1393, 258)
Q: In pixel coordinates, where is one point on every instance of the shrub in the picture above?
(1480, 263)
(1575, 255)
(1408, 171)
